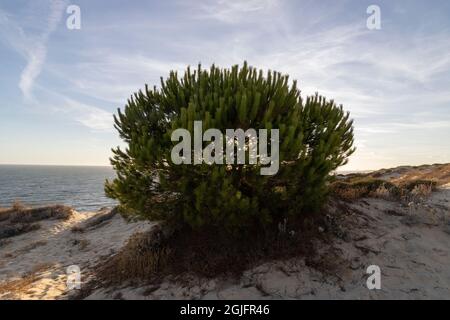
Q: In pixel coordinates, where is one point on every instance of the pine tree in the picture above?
(316, 137)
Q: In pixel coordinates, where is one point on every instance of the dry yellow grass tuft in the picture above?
(13, 289)
(20, 219)
(18, 206)
(354, 188)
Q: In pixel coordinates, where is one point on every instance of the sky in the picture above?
(59, 87)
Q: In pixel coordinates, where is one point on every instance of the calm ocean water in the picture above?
(79, 187)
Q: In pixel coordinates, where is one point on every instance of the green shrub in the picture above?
(316, 137)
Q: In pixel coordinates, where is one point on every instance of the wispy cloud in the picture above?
(89, 116)
(114, 77)
(36, 55)
(32, 47)
(345, 61)
(231, 11)
(33, 69)
(86, 114)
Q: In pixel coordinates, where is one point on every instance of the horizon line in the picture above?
(110, 166)
(54, 165)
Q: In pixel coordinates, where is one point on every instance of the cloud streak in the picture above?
(37, 52)
(31, 46)
(232, 11)
(34, 49)
(88, 115)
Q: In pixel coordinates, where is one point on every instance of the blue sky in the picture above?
(60, 87)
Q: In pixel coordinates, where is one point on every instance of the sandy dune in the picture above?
(34, 264)
(410, 244)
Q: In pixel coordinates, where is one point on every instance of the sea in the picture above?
(81, 187)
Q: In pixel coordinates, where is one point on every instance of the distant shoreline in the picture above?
(343, 172)
(108, 166)
(53, 165)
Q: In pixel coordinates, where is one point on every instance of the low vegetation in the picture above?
(8, 231)
(356, 187)
(20, 219)
(207, 252)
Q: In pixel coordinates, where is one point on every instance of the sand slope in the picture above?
(34, 264)
(411, 245)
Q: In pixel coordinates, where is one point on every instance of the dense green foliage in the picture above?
(316, 137)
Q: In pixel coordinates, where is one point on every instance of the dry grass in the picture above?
(13, 289)
(356, 188)
(422, 190)
(351, 189)
(207, 253)
(349, 193)
(419, 190)
(18, 206)
(20, 219)
(5, 213)
(27, 215)
(12, 230)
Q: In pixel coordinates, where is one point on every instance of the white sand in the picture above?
(412, 251)
(411, 245)
(54, 247)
